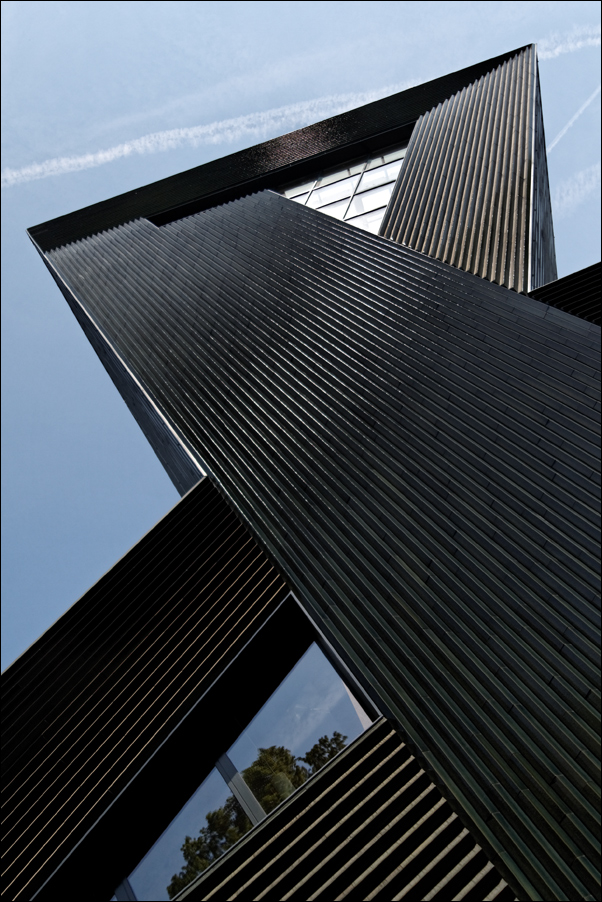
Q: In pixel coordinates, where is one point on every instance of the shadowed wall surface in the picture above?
(90, 710)
(578, 293)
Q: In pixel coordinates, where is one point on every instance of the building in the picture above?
(393, 550)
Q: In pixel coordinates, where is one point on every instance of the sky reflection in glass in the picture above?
(154, 873)
(311, 702)
(351, 192)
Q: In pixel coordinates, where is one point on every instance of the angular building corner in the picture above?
(359, 658)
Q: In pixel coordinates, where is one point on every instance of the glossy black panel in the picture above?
(181, 465)
(578, 294)
(416, 448)
(266, 165)
(117, 713)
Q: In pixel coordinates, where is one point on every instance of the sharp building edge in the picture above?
(473, 191)
(400, 433)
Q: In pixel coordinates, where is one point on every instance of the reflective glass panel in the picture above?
(209, 823)
(370, 222)
(396, 154)
(337, 210)
(334, 176)
(299, 188)
(310, 718)
(370, 200)
(331, 193)
(301, 198)
(380, 176)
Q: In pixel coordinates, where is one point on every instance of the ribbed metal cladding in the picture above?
(267, 165)
(464, 194)
(371, 825)
(177, 459)
(416, 449)
(97, 695)
(578, 293)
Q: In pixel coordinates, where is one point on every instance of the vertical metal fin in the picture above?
(465, 194)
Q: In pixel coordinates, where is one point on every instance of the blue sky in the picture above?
(102, 97)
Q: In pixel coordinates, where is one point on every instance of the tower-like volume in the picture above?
(400, 447)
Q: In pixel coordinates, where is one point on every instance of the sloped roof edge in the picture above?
(264, 165)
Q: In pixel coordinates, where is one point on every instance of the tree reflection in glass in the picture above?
(310, 702)
(310, 717)
(272, 777)
(224, 828)
(150, 878)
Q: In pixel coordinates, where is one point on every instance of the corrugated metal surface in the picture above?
(99, 693)
(578, 294)
(269, 164)
(416, 448)
(177, 458)
(464, 192)
(370, 825)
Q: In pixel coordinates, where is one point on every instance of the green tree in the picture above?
(324, 750)
(224, 828)
(272, 777)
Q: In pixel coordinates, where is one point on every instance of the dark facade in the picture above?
(400, 430)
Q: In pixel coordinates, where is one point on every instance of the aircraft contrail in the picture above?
(255, 126)
(580, 37)
(571, 122)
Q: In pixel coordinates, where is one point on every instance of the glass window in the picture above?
(300, 198)
(337, 210)
(397, 154)
(370, 200)
(380, 176)
(322, 196)
(370, 222)
(209, 823)
(368, 184)
(334, 176)
(310, 718)
(299, 188)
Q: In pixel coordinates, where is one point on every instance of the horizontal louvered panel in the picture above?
(369, 823)
(417, 449)
(89, 703)
(578, 294)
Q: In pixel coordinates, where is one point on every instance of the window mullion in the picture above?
(240, 790)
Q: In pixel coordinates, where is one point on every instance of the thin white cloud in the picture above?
(255, 126)
(572, 121)
(556, 44)
(575, 190)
